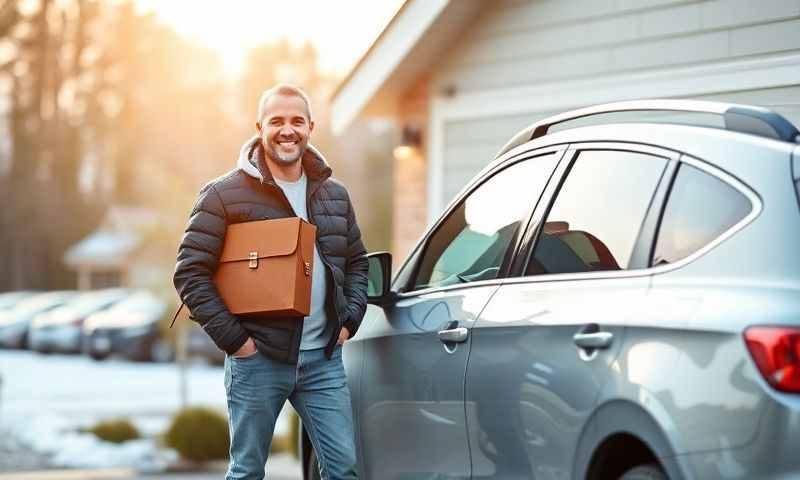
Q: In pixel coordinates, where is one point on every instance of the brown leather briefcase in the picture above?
(266, 267)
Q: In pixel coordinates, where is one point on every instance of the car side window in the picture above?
(685, 228)
(598, 213)
(472, 242)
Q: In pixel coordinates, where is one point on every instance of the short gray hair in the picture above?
(282, 89)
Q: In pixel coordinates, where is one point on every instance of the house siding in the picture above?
(527, 43)
(515, 44)
(471, 144)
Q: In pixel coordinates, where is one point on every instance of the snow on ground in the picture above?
(46, 399)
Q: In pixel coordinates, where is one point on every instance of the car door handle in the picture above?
(593, 340)
(454, 335)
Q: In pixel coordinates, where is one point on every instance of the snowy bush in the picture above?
(288, 442)
(294, 435)
(199, 434)
(279, 444)
(116, 431)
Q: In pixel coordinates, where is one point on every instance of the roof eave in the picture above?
(364, 86)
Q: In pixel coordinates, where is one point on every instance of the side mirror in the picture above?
(379, 278)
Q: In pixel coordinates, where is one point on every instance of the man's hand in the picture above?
(343, 336)
(249, 348)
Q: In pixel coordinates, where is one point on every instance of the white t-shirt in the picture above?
(314, 323)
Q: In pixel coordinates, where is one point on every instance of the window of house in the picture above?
(596, 217)
(471, 244)
(685, 228)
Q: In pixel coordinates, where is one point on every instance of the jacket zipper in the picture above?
(321, 256)
(294, 213)
(339, 321)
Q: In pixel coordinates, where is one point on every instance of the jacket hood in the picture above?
(251, 161)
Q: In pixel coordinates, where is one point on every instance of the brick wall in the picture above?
(410, 177)
(410, 204)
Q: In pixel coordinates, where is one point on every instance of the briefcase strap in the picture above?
(176, 314)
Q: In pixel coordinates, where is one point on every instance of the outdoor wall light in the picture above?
(410, 142)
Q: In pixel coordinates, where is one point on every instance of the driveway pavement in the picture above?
(279, 467)
(45, 399)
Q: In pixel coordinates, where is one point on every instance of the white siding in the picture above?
(545, 40)
(471, 144)
(468, 158)
(517, 43)
(785, 100)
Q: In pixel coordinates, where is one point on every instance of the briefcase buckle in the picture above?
(253, 259)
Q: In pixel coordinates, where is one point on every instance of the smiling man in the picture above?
(270, 360)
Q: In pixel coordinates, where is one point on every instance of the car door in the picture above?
(411, 406)
(545, 341)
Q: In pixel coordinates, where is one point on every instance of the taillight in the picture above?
(776, 351)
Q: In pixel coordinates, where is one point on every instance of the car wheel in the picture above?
(98, 355)
(645, 472)
(160, 351)
(312, 467)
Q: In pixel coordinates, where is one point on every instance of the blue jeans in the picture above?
(257, 387)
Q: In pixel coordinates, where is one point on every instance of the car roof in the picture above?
(45, 298)
(745, 119)
(741, 155)
(732, 151)
(140, 297)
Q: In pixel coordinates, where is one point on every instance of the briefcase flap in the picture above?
(267, 238)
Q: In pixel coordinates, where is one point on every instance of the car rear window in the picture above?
(597, 214)
(700, 208)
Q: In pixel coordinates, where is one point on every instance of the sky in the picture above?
(341, 30)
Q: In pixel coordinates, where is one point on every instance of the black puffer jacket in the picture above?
(250, 193)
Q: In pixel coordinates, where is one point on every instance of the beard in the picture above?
(278, 155)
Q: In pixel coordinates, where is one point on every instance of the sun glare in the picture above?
(341, 31)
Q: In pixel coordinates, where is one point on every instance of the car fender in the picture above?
(623, 416)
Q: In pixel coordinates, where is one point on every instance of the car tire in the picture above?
(650, 471)
(312, 467)
(99, 355)
(160, 352)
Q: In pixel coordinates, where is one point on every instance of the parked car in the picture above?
(615, 300)
(61, 329)
(129, 328)
(15, 322)
(9, 300)
(200, 345)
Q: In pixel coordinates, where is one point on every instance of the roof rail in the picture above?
(738, 118)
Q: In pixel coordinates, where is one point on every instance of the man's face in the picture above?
(285, 128)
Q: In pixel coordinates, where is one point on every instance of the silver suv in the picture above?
(617, 295)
